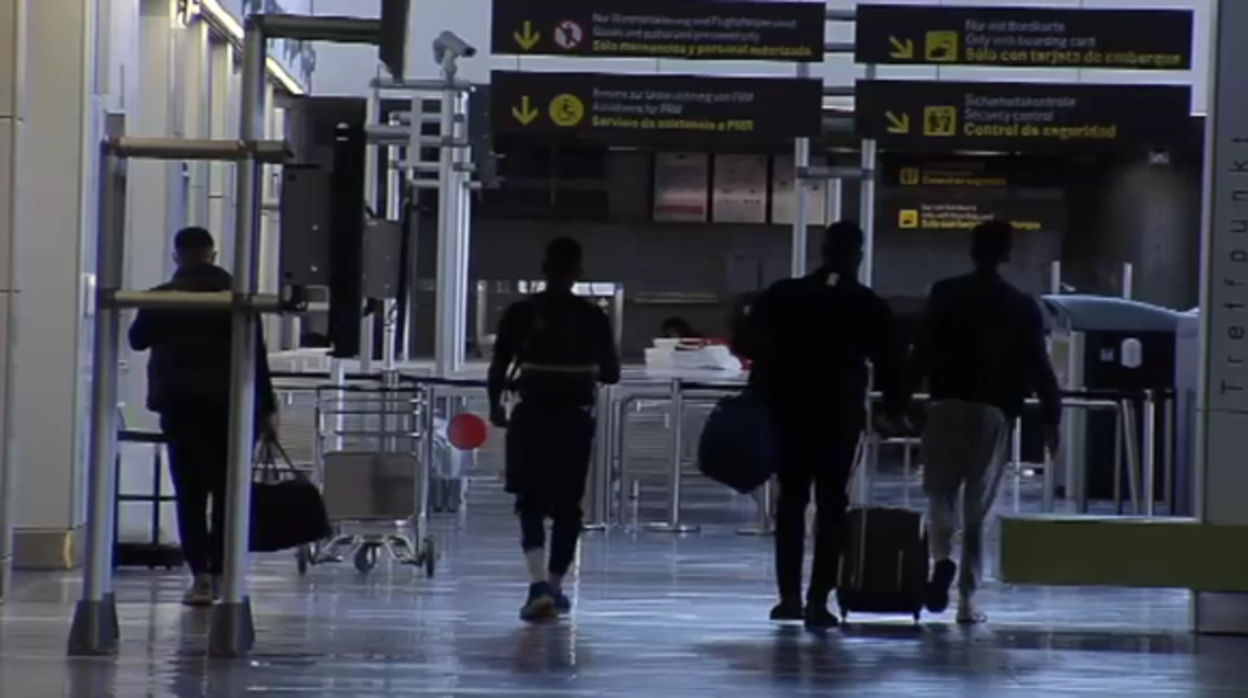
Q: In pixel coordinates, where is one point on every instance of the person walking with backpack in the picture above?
(551, 351)
(980, 346)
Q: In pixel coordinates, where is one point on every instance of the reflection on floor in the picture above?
(657, 616)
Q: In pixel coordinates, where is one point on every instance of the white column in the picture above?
(156, 190)
(1223, 420)
(53, 196)
(221, 119)
(12, 34)
(194, 91)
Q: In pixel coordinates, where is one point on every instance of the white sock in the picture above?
(535, 559)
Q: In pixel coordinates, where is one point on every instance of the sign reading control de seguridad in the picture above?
(926, 115)
(777, 30)
(1024, 37)
(617, 105)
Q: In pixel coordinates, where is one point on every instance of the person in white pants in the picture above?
(981, 349)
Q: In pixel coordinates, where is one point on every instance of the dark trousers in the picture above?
(548, 454)
(818, 452)
(198, 440)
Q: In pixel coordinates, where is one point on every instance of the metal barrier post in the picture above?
(596, 494)
(232, 632)
(1131, 439)
(1016, 462)
(766, 516)
(1167, 452)
(1149, 459)
(95, 629)
(1050, 478)
(425, 466)
(673, 523)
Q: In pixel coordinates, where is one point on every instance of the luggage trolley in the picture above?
(373, 475)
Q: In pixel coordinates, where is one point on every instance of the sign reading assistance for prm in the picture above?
(1024, 37)
(771, 30)
(598, 104)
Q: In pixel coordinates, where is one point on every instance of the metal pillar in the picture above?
(866, 207)
(801, 192)
(95, 630)
(462, 184)
(448, 345)
(232, 632)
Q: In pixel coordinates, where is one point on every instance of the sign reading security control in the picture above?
(924, 115)
(1024, 37)
(759, 30)
(596, 104)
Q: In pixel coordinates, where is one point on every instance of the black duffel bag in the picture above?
(287, 510)
(738, 444)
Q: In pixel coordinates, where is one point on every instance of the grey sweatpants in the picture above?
(963, 453)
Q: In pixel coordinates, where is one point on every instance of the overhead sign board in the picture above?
(1024, 37)
(923, 115)
(598, 104)
(940, 209)
(756, 30)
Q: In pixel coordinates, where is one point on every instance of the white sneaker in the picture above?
(967, 614)
(201, 592)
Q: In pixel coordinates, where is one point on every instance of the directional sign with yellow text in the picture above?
(777, 30)
(939, 115)
(1031, 37)
(615, 105)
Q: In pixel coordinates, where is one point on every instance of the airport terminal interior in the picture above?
(381, 177)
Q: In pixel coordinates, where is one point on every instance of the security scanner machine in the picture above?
(1123, 351)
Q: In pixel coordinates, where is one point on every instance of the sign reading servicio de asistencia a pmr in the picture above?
(767, 30)
(1024, 37)
(614, 105)
(1019, 116)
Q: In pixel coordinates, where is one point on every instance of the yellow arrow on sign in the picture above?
(902, 50)
(528, 38)
(525, 113)
(898, 125)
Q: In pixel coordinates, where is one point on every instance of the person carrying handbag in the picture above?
(188, 379)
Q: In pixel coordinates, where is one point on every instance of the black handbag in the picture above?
(287, 510)
(738, 443)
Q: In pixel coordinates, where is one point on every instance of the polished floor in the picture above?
(657, 616)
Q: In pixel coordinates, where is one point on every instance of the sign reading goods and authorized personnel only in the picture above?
(905, 114)
(598, 104)
(772, 30)
(1024, 37)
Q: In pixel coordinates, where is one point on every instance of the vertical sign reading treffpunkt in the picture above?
(1223, 417)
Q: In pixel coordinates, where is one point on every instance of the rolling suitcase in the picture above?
(884, 563)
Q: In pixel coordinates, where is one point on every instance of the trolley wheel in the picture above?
(303, 559)
(366, 558)
(429, 556)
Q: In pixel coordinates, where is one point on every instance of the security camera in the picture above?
(450, 45)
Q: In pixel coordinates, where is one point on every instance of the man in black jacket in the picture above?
(560, 347)
(813, 343)
(981, 347)
(188, 384)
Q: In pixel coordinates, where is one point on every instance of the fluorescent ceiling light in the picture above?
(222, 16)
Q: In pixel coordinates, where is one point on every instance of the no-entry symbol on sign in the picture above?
(569, 35)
